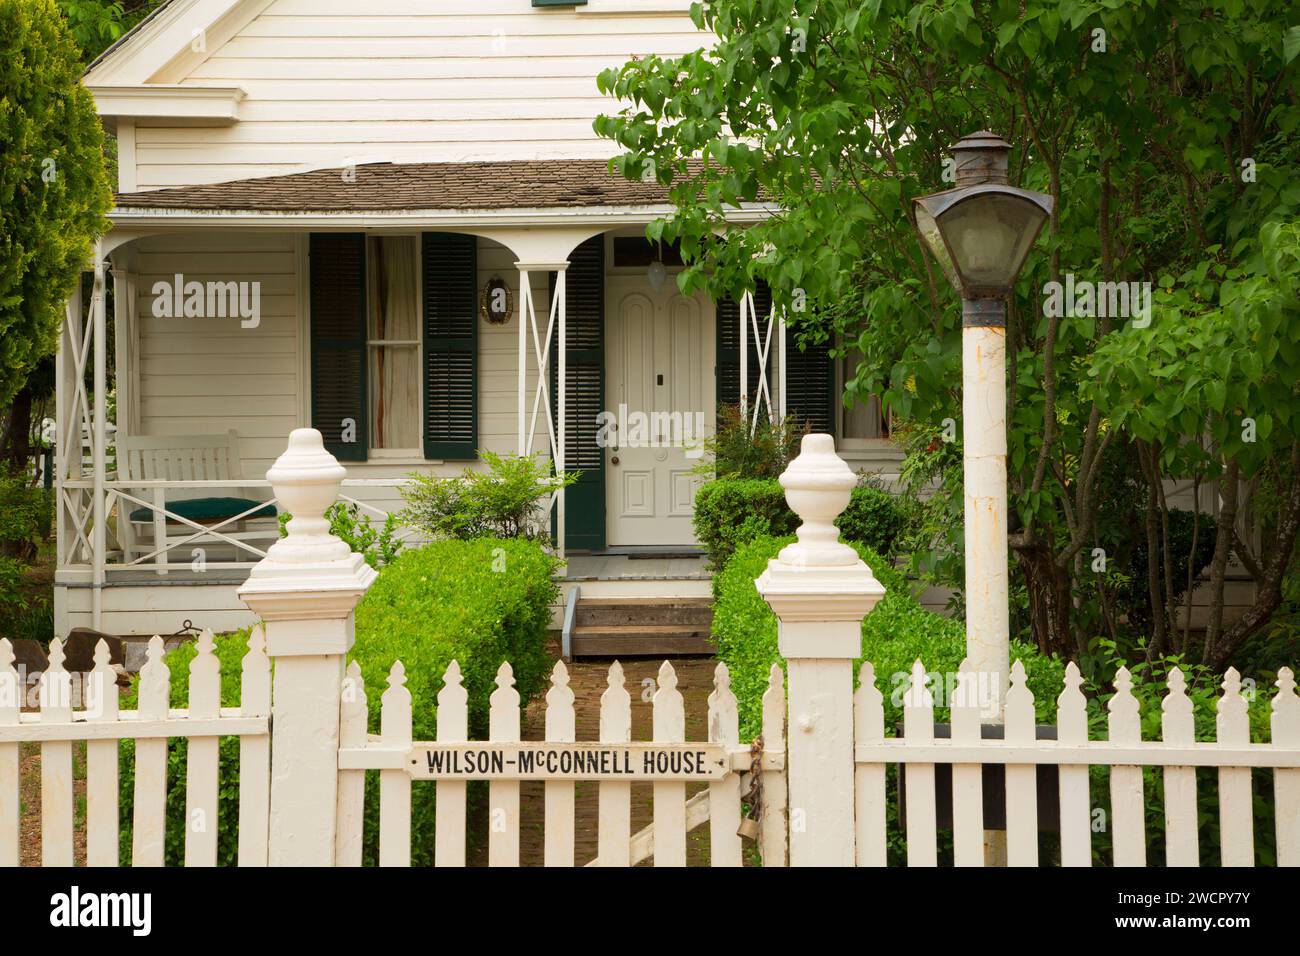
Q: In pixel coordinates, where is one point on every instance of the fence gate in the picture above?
(729, 770)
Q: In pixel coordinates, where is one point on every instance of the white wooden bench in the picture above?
(177, 460)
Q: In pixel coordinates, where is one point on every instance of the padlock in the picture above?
(748, 828)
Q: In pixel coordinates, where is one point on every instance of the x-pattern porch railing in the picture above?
(132, 494)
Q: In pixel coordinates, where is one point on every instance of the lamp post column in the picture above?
(984, 469)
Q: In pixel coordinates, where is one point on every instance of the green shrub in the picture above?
(730, 512)
(894, 635)
(35, 622)
(26, 516)
(503, 502)
(872, 518)
(740, 449)
(478, 602)
(12, 599)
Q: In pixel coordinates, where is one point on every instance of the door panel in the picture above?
(660, 355)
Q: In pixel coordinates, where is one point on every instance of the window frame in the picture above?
(856, 444)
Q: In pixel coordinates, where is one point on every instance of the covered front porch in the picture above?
(172, 403)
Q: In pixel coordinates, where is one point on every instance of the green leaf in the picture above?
(1290, 44)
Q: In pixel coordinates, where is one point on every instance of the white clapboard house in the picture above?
(382, 220)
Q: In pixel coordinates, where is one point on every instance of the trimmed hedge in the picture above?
(894, 635)
(479, 602)
(730, 512)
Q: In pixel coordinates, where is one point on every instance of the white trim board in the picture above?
(604, 216)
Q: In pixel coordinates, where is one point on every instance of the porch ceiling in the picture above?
(518, 184)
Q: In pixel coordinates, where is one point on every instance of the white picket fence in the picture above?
(665, 839)
(1124, 752)
(393, 753)
(56, 726)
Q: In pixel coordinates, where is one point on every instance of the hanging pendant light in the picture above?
(657, 274)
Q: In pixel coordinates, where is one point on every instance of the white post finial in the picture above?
(307, 479)
(819, 578)
(309, 562)
(817, 486)
(820, 591)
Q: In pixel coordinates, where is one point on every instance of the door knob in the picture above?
(614, 460)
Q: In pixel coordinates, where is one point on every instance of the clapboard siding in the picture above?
(331, 83)
(204, 376)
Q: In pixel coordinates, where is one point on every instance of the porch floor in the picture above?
(641, 565)
(630, 567)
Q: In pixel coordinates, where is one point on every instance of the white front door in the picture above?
(660, 398)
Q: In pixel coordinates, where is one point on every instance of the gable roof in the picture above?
(173, 39)
(513, 184)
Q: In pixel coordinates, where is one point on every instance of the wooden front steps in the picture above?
(639, 627)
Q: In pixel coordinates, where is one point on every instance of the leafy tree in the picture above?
(97, 24)
(54, 190)
(1166, 131)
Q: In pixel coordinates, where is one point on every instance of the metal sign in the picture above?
(537, 760)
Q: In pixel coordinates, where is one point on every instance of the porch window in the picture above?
(393, 345)
(866, 420)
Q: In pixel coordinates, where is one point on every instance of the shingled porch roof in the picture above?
(513, 184)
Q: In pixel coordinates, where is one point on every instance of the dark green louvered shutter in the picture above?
(810, 384)
(584, 393)
(450, 345)
(338, 343)
(727, 377)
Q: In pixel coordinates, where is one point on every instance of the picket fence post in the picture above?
(305, 590)
(820, 590)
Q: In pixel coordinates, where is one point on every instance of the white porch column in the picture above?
(529, 325)
(746, 306)
(780, 358)
(305, 590)
(67, 451)
(525, 305)
(820, 591)
(124, 393)
(99, 444)
(561, 400)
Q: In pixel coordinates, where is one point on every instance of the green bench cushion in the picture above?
(208, 509)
